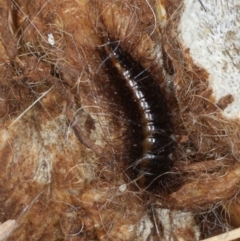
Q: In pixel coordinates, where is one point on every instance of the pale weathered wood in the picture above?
(228, 236)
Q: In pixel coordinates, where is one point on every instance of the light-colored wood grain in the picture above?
(228, 236)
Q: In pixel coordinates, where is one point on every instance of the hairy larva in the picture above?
(146, 108)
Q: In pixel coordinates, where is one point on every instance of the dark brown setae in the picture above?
(148, 115)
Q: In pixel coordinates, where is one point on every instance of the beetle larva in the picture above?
(148, 113)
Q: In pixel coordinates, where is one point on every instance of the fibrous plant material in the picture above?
(67, 139)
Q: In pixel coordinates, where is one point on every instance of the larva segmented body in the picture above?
(154, 146)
